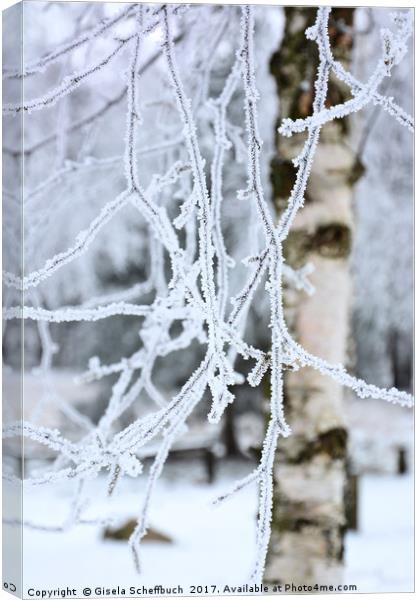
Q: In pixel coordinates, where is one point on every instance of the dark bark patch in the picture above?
(296, 247)
(332, 240)
(297, 524)
(357, 171)
(334, 543)
(294, 65)
(333, 443)
(283, 174)
(342, 532)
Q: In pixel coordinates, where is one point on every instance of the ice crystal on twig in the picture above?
(195, 295)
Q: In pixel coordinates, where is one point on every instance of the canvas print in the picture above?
(207, 299)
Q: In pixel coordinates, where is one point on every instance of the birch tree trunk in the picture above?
(306, 544)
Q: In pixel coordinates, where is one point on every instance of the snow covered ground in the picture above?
(211, 545)
(380, 556)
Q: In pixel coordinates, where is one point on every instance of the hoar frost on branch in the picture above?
(197, 293)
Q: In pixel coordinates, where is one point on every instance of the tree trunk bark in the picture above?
(306, 545)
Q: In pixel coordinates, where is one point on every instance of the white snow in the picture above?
(212, 545)
(380, 556)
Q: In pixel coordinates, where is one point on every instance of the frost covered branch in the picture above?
(74, 44)
(191, 273)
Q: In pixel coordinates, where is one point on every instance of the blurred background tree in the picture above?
(310, 474)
